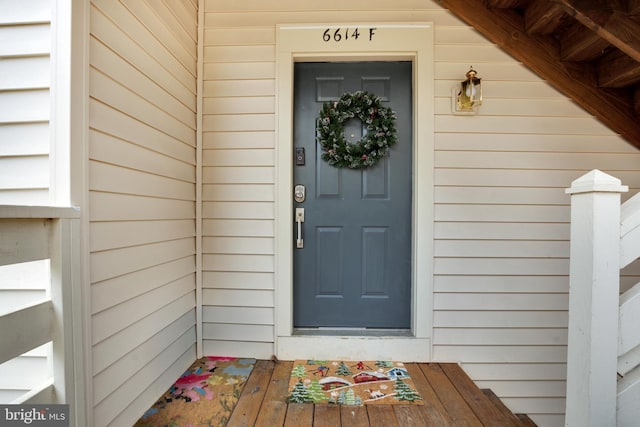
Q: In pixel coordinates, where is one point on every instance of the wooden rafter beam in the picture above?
(543, 57)
(578, 43)
(613, 25)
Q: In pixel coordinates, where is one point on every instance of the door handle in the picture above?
(299, 220)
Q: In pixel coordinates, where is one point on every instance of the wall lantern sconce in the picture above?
(468, 97)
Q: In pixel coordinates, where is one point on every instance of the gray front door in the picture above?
(354, 269)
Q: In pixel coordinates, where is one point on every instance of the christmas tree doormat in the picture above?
(204, 395)
(351, 383)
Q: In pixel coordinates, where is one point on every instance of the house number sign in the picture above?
(338, 35)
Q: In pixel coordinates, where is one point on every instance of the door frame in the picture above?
(378, 42)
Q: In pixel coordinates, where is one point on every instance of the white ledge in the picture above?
(40, 212)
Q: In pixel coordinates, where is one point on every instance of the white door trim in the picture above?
(391, 42)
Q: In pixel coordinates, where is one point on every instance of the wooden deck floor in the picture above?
(450, 399)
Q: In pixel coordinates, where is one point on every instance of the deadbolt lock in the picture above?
(299, 193)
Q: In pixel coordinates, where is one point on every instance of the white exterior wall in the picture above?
(25, 46)
(25, 75)
(501, 230)
(142, 171)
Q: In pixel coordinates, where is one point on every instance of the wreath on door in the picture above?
(373, 146)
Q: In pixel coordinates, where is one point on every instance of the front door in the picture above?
(354, 267)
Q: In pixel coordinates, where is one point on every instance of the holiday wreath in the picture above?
(374, 145)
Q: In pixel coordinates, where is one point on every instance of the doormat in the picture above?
(351, 383)
(204, 395)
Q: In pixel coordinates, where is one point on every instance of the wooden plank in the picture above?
(238, 210)
(25, 329)
(325, 415)
(274, 409)
(409, 415)
(479, 403)
(525, 421)
(433, 412)
(253, 393)
(469, 301)
(299, 415)
(500, 406)
(354, 416)
(382, 416)
(454, 403)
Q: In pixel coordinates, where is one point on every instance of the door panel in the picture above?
(355, 267)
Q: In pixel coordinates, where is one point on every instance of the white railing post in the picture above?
(594, 285)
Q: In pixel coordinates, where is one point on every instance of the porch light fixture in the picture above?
(468, 96)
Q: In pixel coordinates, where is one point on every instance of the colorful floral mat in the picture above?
(204, 395)
(351, 383)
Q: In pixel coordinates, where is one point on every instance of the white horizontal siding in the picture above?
(142, 186)
(25, 47)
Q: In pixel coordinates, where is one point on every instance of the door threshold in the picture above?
(353, 345)
(352, 332)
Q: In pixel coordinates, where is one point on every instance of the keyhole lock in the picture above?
(299, 193)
